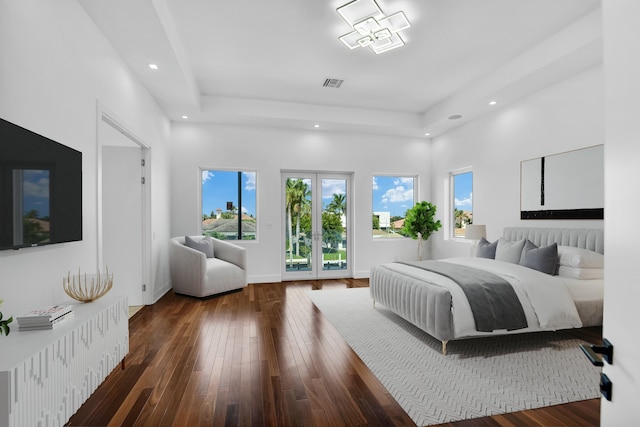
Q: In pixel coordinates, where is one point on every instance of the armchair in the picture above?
(192, 273)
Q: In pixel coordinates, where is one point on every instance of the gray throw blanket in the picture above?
(493, 300)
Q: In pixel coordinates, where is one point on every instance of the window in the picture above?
(462, 192)
(392, 196)
(229, 204)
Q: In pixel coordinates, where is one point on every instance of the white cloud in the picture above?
(250, 185)
(332, 186)
(466, 202)
(207, 175)
(406, 181)
(398, 194)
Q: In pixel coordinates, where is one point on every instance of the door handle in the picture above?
(606, 386)
(592, 351)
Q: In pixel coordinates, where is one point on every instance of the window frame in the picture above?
(452, 201)
(201, 199)
(415, 185)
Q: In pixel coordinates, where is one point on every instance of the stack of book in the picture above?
(44, 319)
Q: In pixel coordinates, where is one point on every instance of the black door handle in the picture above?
(606, 350)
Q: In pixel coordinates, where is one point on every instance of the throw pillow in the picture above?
(204, 245)
(509, 251)
(578, 257)
(486, 249)
(544, 259)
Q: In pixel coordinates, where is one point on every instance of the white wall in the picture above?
(562, 117)
(269, 151)
(55, 69)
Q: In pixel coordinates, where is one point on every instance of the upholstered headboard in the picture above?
(585, 238)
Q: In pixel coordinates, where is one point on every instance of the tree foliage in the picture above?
(420, 221)
(331, 229)
(376, 222)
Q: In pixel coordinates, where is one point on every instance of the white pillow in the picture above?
(509, 251)
(581, 273)
(576, 257)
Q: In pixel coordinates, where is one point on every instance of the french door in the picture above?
(316, 227)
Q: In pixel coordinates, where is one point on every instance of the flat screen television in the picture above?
(40, 189)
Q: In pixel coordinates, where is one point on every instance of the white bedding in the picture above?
(547, 300)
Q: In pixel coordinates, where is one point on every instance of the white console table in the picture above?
(45, 376)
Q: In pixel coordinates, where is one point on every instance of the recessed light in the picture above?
(455, 117)
(493, 102)
(153, 66)
(427, 134)
(316, 126)
(185, 117)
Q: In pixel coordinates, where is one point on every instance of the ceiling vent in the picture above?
(336, 83)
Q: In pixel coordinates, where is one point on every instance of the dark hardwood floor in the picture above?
(262, 356)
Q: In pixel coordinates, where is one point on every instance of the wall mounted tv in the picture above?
(40, 189)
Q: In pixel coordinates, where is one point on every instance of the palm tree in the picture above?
(338, 205)
(290, 201)
(297, 203)
(302, 206)
(460, 216)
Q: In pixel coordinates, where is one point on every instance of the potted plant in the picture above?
(420, 223)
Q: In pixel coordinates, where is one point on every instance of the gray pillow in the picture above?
(486, 249)
(509, 251)
(204, 245)
(543, 259)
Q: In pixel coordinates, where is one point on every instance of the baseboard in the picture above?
(159, 293)
(364, 274)
(267, 278)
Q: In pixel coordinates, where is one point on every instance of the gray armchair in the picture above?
(193, 273)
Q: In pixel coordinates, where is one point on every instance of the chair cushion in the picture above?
(204, 245)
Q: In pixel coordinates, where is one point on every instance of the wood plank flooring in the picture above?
(263, 356)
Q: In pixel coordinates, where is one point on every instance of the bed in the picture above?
(444, 305)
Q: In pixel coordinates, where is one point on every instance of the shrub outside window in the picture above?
(229, 204)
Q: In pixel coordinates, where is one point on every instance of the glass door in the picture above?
(316, 226)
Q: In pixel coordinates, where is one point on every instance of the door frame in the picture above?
(107, 118)
(317, 272)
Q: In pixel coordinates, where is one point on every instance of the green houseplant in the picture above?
(4, 324)
(420, 223)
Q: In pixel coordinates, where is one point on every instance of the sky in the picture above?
(390, 193)
(393, 194)
(220, 187)
(463, 191)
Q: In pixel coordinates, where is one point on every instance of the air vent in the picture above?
(336, 83)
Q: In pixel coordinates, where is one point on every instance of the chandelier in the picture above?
(371, 27)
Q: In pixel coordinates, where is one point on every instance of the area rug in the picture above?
(477, 378)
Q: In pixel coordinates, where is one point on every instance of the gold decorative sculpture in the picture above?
(78, 288)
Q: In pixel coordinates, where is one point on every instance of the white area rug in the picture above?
(477, 377)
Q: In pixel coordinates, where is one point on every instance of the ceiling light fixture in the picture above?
(372, 28)
(316, 126)
(185, 117)
(153, 66)
(493, 102)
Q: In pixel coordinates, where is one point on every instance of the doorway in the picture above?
(121, 210)
(316, 224)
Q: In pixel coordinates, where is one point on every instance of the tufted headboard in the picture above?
(585, 238)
